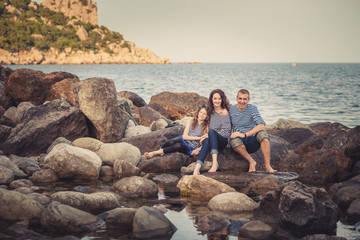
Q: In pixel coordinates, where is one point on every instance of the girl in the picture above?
(220, 130)
(189, 143)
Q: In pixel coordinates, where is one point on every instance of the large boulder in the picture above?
(110, 152)
(16, 206)
(42, 125)
(93, 203)
(299, 209)
(97, 99)
(232, 202)
(179, 105)
(201, 187)
(73, 162)
(147, 115)
(154, 140)
(26, 85)
(151, 223)
(136, 187)
(62, 218)
(64, 89)
(352, 144)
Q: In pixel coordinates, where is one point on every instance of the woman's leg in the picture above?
(217, 142)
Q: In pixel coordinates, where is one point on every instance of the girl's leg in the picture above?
(171, 142)
(154, 153)
(177, 147)
(217, 142)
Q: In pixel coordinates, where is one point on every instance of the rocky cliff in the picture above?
(84, 10)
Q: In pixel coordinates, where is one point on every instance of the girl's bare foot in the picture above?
(196, 173)
(252, 166)
(149, 154)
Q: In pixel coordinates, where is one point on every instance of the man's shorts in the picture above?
(251, 143)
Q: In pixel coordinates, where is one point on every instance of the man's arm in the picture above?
(253, 131)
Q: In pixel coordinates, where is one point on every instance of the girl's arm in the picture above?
(186, 132)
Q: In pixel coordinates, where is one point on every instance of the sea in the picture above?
(304, 92)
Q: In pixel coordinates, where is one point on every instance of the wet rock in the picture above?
(232, 202)
(150, 223)
(353, 212)
(63, 89)
(299, 209)
(121, 219)
(42, 125)
(135, 98)
(136, 131)
(94, 202)
(212, 223)
(268, 183)
(17, 206)
(6, 175)
(154, 140)
(7, 163)
(26, 85)
(147, 115)
(124, 169)
(194, 186)
(68, 161)
(21, 183)
(352, 144)
(110, 152)
(322, 237)
(345, 195)
(62, 218)
(136, 187)
(96, 98)
(87, 143)
(179, 105)
(164, 179)
(256, 230)
(44, 176)
(41, 198)
(166, 163)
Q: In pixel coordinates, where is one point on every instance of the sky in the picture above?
(239, 30)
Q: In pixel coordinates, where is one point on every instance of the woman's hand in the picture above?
(203, 137)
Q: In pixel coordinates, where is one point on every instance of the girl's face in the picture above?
(216, 100)
(202, 114)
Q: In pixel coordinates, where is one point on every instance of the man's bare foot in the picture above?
(214, 168)
(252, 166)
(271, 170)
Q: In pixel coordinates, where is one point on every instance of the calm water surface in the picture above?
(307, 93)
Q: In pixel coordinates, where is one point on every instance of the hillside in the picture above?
(31, 33)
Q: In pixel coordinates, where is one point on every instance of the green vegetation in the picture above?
(42, 28)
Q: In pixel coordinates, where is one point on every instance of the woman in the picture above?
(189, 143)
(220, 130)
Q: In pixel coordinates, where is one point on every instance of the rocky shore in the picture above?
(56, 128)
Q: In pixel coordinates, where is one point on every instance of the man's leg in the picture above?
(265, 149)
(242, 151)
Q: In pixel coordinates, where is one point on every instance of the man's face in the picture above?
(242, 100)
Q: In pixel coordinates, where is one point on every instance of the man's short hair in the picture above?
(243, 91)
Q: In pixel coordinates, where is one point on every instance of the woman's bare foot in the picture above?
(252, 166)
(214, 168)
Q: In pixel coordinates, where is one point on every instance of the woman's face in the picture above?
(202, 114)
(216, 100)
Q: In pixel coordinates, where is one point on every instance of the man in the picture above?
(248, 133)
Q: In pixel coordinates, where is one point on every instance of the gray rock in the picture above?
(110, 152)
(62, 218)
(136, 187)
(232, 202)
(256, 230)
(6, 162)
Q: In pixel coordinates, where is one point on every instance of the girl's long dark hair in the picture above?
(224, 101)
(196, 119)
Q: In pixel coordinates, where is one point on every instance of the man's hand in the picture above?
(237, 134)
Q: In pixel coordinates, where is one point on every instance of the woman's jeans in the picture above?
(213, 143)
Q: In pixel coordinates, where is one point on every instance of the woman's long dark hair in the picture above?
(196, 119)
(224, 101)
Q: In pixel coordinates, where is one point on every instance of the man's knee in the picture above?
(263, 137)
